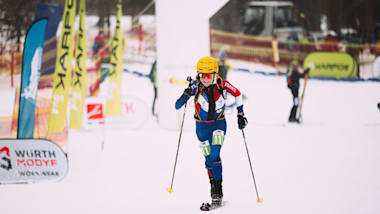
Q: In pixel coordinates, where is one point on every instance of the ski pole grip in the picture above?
(189, 79)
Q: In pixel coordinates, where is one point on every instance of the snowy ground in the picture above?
(328, 165)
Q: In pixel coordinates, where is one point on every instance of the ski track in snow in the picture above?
(329, 164)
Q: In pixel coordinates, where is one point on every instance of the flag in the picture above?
(113, 106)
(78, 93)
(53, 12)
(30, 76)
(62, 75)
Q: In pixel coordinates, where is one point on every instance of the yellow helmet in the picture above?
(207, 65)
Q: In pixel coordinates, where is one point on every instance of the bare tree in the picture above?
(15, 18)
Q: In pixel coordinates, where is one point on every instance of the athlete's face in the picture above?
(206, 81)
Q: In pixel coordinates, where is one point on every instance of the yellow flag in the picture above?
(62, 75)
(78, 93)
(115, 77)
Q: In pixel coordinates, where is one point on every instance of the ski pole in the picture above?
(259, 200)
(170, 190)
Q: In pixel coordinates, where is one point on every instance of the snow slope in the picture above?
(330, 164)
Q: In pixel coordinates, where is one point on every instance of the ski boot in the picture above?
(205, 206)
(216, 200)
(216, 193)
(293, 113)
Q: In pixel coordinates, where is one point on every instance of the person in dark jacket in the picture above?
(293, 76)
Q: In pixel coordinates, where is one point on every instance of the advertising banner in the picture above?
(134, 114)
(31, 161)
(116, 70)
(331, 64)
(53, 12)
(62, 75)
(78, 93)
(30, 76)
(94, 110)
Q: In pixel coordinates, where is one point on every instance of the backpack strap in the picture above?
(220, 85)
(197, 92)
(196, 96)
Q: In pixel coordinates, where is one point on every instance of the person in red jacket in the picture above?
(209, 91)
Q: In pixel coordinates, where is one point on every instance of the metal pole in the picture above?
(259, 200)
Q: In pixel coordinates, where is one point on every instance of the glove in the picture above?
(242, 121)
(187, 93)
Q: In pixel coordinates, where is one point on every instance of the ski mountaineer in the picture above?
(209, 91)
(292, 77)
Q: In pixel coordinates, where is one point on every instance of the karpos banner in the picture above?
(62, 76)
(331, 64)
(31, 161)
(78, 93)
(116, 70)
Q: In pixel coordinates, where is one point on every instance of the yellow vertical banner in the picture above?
(78, 90)
(62, 76)
(113, 106)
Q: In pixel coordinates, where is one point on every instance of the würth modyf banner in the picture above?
(31, 161)
(62, 76)
(30, 76)
(113, 106)
(78, 93)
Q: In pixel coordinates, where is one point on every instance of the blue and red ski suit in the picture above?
(211, 125)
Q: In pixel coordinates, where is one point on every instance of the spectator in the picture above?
(292, 39)
(98, 43)
(224, 66)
